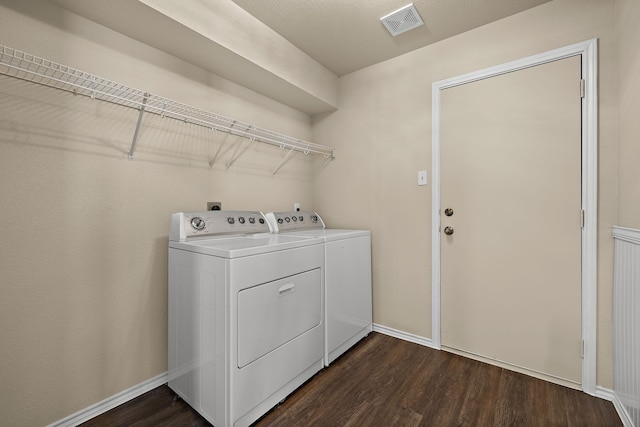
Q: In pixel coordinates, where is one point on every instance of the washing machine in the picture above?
(347, 275)
(246, 323)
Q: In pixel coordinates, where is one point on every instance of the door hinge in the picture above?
(582, 88)
(582, 349)
(582, 218)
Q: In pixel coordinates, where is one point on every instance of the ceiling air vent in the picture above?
(402, 20)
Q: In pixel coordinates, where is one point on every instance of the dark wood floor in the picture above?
(384, 381)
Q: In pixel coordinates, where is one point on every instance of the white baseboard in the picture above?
(111, 402)
(402, 335)
(611, 395)
(601, 392)
(605, 393)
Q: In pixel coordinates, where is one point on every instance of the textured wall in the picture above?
(628, 31)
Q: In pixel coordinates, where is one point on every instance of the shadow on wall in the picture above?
(45, 117)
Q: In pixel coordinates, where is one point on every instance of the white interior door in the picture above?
(511, 175)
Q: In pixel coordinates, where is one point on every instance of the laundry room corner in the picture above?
(84, 265)
(121, 120)
(387, 108)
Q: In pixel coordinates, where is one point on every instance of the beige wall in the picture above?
(382, 133)
(83, 281)
(628, 32)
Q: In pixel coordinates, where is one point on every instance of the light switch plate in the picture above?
(422, 177)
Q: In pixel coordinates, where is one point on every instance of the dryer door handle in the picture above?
(286, 289)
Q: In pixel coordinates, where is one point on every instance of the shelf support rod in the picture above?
(285, 160)
(215, 157)
(135, 134)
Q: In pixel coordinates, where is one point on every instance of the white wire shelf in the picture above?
(29, 67)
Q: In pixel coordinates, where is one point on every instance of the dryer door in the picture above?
(274, 313)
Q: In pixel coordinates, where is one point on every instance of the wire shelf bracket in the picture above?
(137, 131)
(284, 160)
(38, 70)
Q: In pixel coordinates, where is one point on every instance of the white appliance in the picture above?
(347, 275)
(245, 313)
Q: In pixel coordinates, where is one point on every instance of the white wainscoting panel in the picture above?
(626, 322)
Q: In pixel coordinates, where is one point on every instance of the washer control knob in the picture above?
(241, 220)
(261, 220)
(280, 221)
(197, 223)
(301, 218)
(230, 220)
(286, 218)
(294, 218)
(252, 220)
(314, 218)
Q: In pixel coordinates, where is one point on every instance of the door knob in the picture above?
(448, 212)
(448, 231)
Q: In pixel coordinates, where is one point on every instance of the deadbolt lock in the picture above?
(448, 231)
(448, 212)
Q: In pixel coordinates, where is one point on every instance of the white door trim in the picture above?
(588, 50)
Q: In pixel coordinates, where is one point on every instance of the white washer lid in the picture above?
(240, 246)
(328, 234)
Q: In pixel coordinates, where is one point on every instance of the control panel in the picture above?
(186, 225)
(294, 220)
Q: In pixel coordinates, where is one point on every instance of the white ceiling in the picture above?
(347, 35)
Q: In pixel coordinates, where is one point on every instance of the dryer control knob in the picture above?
(314, 218)
(230, 220)
(252, 220)
(241, 220)
(197, 223)
(280, 221)
(286, 218)
(261, 220)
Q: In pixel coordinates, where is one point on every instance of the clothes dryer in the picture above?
(246, 311)
(347, 274)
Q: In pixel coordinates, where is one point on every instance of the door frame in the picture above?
(588, 51)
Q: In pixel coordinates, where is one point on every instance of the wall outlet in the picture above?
(214, 206)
